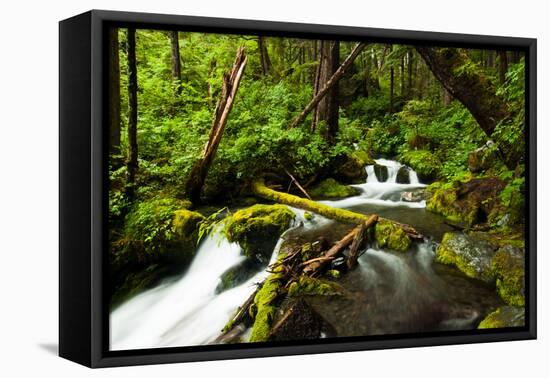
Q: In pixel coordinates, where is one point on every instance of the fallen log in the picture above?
(358, 241)
(261, 190)
(355, 236)
(242, 314)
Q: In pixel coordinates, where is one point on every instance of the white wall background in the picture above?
(28, 186)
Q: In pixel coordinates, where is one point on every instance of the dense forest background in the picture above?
(453, 115)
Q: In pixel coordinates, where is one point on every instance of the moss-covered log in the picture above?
(342, 215)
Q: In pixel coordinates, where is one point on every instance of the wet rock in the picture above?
(504, 317)
(471, 254)
(350, 168)
(389, 235)
(403, 175)
(482, 158)
(339, 264)
(238, 274)
(298, 322)
(381, 172)
(416, 195)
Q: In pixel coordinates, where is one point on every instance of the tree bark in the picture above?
(328, 85)
(197, 177)
(358, 241)
(470, 86)
(114, 92)
(132, 162)
(410, 90)
(175, 60)
(502, 66)
(264, 56)
(391, 83)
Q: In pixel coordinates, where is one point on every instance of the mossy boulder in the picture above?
(258, 228)
(509, 270)
(504, 317)
(332, 189)
(313, 286)
(381, 172)
(425, 163)
(466, 203)
(403, 175)
(469, 253)
(483, 158)
(350, 168)
(389, 235)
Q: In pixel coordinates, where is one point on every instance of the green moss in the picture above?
(185, 223)
(257, 228)
(312, 286)
(446, 255)
(308, 215)
(426, 164)
(509, 269)
(363, 157)
(504, 317)
(389, 235)
(333, 273)
(332, 189)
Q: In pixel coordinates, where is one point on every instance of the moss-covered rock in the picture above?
(466, 203)
(298, 321)
(483, 158)
(258, 228)
(389, 235)
(425, 163)
(313, 286)
(332, 189)
(350, 168)
(509, 269)
(471, 254)
(504, 317)
(238, 274)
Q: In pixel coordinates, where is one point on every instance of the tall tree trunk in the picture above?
(471, 87)
(210, 76)
(114, 92)
(410, 90)
(264, 56)
(197, 177)
(391, 83)
(328, 85)
(132, 162)
(327, 108)
(402, 76)
(176, 63)
(502, 65)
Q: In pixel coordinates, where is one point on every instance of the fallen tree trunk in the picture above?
(329, 84)
(261, 190)
(314, 267)
(358, 241)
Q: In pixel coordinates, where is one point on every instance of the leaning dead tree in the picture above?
(470, 86)
(328, 85)
(197, 177)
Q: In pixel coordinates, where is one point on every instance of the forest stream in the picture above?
(390, 292)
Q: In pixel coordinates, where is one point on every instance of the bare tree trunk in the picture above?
(502, 65)
(328, 85)
(114, 92)
(264, 56)
(410, 89)
(230, 86)
(391, 83)
(209, 87)
(132, 163)
(176, 63)
(327, 108)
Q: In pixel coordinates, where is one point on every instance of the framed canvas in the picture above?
(235, 188)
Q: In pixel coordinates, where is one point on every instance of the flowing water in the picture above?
(390, 292)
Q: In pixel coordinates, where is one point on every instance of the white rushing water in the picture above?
(187, 311)
(387, 193)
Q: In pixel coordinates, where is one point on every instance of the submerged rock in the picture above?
(416, 195)
(258, 228)
(504, 317)
(381, 172)
(403, 175)
(332, 189)
(238, 274)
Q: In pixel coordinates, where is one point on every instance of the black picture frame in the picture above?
(83, 321)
